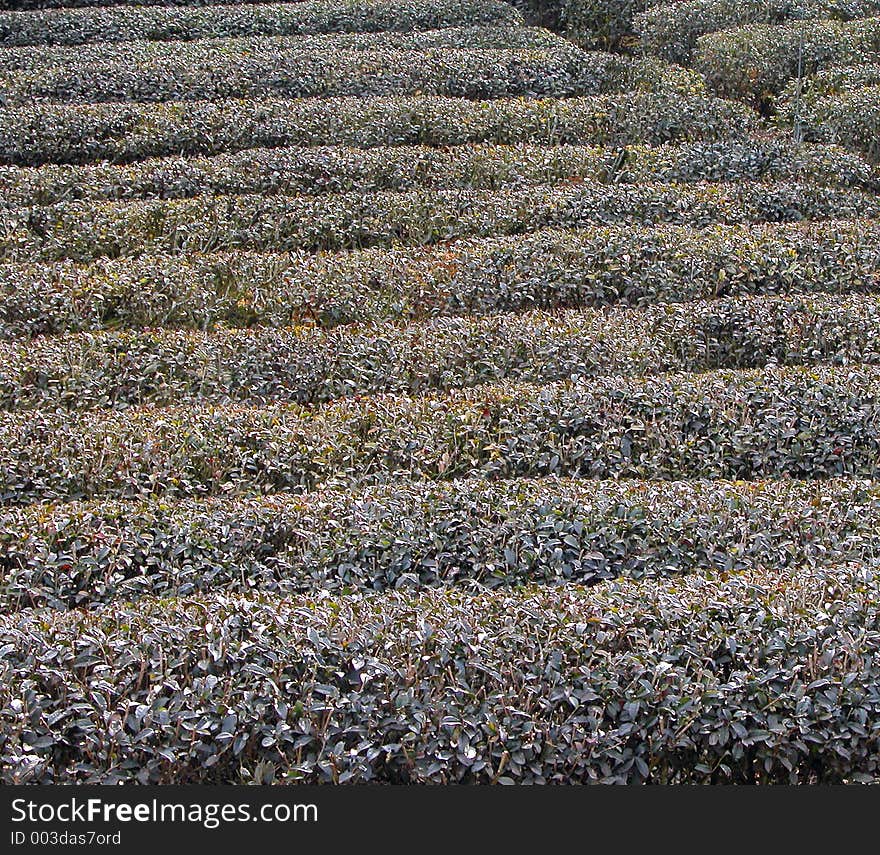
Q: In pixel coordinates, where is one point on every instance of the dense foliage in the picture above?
(672, 30)
(537, 686)
(756, 61)
(451, 392)
(455, 533)
(68, 25)
(126, 133)
(85, 230)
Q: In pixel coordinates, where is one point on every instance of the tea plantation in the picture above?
(426, 391)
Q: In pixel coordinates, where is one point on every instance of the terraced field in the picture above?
(411, 391)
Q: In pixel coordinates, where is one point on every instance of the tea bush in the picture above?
(767, 676)
(85, 230)
(124, 133)
(550, 269)
(272, 73)
(152, 22)
(815, 422)
(398, 392)
(836, 80)
(480, 166)
(671, 30)
(850, 119)
(485, 36)
(591, 23)
(756, 62)
(458, 533)
(312, 366)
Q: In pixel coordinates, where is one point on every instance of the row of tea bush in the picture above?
(123, 133)
(759, 677)
(803, 422)
(306, 365)
(465, 533)
(82, 231)
(549, 269)
(478, 166)
(485, 36)
(271, 73)
(127, 23)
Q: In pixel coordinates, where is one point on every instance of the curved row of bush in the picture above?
(549, 269)
(794, 422)
(496, 534)
(480, 166)
(475, 74)
(123, 133)
(754, 63)
(837, 80)
(767, 676)
(39, 5)
(486, 36)
(591, 23)
(82, 231)
(851, 119)
(671, 30)
(271, 71)
(172, 23)
(311, 366)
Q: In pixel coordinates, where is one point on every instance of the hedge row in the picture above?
(455, 69)
(495, 534)
(671, 30)
(82, 231)
(767, 676)
(173, 23)
(36, 5)
(590, 23)
(500, 37)
(754, 63)
(836, 80)
(312, 366)
(336, 169)
(475, 74)
(546, 269)
(123, 133)
(800, 423)
(850, 119)
(607, 23)
(86, 230)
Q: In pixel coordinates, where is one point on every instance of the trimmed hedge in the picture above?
(496, 534)
(769, 676)
(123, 133)
(499, 37)
(82, 231)
(671, 30)
(312, 366)
(37, 5)
(173, 23)
(179, 463)
(335, 169)
(850, 119)
(590, 23)
(837, 80)
(754, 63)
(594, 23)
(548, 269)
(799, 423)
(475, 74)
